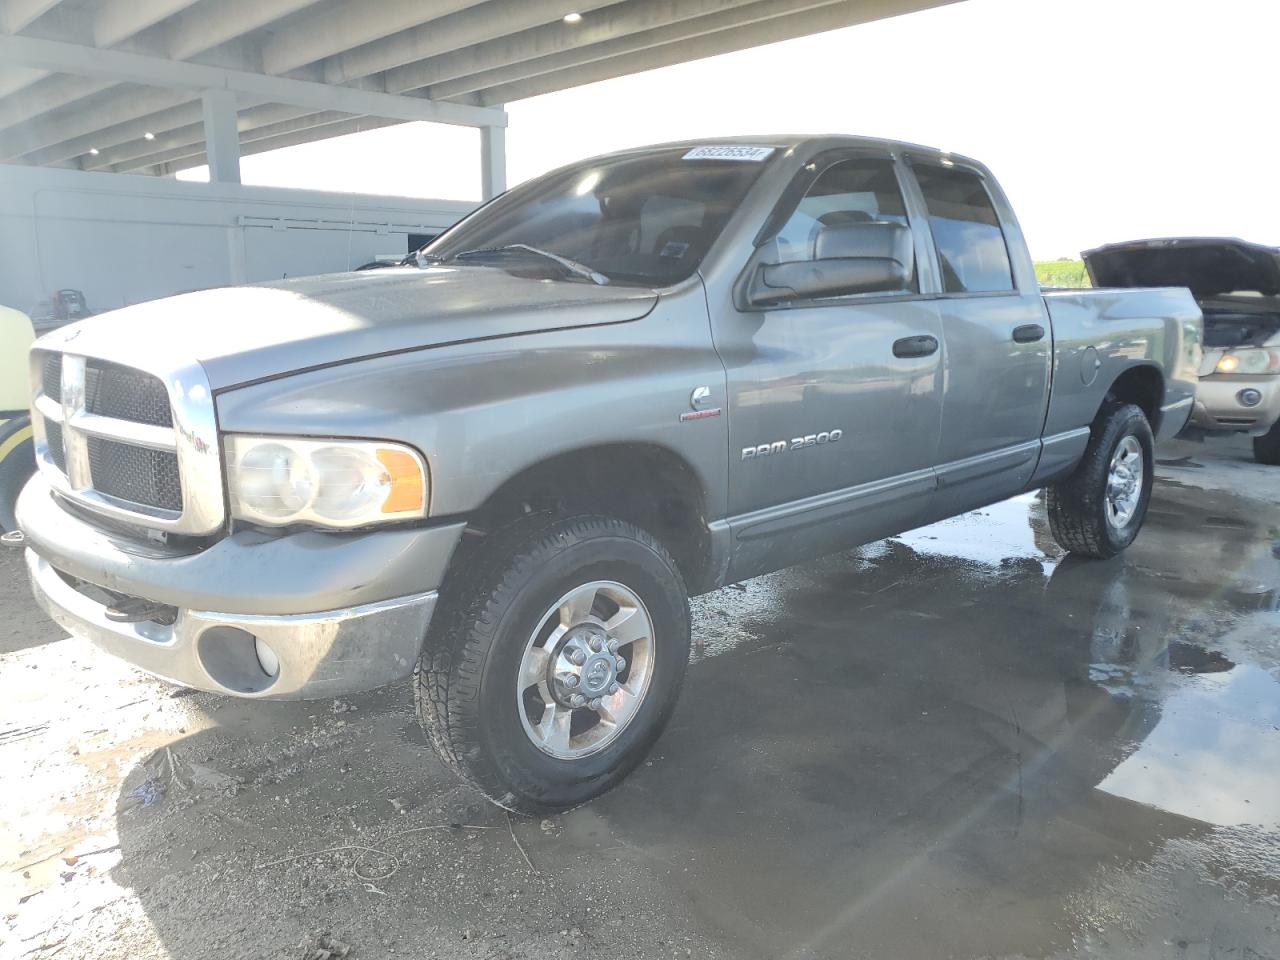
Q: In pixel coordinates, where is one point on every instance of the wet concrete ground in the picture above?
(955, 743)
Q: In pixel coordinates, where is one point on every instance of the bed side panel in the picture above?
(1099, 334)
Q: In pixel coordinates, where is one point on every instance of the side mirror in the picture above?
(874, 257)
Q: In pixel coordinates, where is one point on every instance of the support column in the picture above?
(493, 161)
(221, 136)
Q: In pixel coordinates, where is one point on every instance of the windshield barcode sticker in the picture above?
(730, 151)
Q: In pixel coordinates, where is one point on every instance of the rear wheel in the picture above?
(1099, 509)
(1266, 448)
(557, 661)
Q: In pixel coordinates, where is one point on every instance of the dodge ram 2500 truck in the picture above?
(632, 379)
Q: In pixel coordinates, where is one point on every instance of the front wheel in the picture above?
(556, 662)
(1099, 509)
(1266, 448)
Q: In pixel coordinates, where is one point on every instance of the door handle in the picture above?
(1028, 333)
(921, 346)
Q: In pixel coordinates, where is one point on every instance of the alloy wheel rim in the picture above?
(1124, 482)
(585, 670)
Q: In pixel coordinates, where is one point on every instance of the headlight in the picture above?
(331, 483)
(1249, 360)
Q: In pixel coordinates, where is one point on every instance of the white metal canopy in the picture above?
(156, 86)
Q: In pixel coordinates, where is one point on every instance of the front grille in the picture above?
(135, 474)
(53, 433)
(52, 376)
(118, 448)
(111, 390)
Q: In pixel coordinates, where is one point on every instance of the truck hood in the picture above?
(1207, 265)
(256, 332)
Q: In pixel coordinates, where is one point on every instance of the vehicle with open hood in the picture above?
(503, 468)
(1237, 285)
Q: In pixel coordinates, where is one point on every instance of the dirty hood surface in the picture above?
(1206, 265)
(249, 333)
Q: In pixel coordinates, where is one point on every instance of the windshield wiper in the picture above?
(573, 266)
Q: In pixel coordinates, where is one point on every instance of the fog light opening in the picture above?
(267, 658)
(237, 660)
(1249, 397)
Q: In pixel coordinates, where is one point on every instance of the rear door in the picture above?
(833, 424)
(997, 341)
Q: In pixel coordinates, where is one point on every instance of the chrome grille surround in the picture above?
(197, 506)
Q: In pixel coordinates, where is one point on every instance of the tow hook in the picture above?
(137, 610)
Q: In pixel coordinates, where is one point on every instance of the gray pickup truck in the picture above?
(505, 469)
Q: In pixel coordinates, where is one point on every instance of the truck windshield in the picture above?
(646, 218)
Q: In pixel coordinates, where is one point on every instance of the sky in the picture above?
(1104, 120)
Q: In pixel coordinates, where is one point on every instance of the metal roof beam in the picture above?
(73, 130)
(214, 22)
(460, 31)
(326, 131)
(13, 79)
(349, 25)
(118, 20)
(49, 94)
(202, 27)
(249, 135)
(188, 112)
(846, 13)
(188, 137)
(731, 15)
(16, 14)
(156, 71)
(551, 38)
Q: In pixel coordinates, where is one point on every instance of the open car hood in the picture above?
(1208, 266)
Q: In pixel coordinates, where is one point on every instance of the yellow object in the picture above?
(11, 444)
(406, 481)
(16, 337)
(1228, 363)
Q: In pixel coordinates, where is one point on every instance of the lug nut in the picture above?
(576, 656)
(569, 679)
(596, 703)
(578, 700)
(613, 645)
(614, 687)
(597, 644)
(620, 663)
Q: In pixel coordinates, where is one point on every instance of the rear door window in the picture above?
(972, 252)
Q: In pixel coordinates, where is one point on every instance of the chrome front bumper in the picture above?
(299, 616)
(313, 655)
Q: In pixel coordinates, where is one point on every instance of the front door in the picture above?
(835, 403)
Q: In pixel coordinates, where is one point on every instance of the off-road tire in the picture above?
(1266, 448)
(1077, 504)
(465, 684)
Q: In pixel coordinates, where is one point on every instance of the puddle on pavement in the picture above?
(1214, 754)
(994, 536)
(1058, 730)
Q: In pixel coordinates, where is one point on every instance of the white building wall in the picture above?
(124, 239)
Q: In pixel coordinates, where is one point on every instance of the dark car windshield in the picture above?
(646, 218)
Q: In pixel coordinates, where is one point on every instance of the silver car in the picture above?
(1237, 285)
